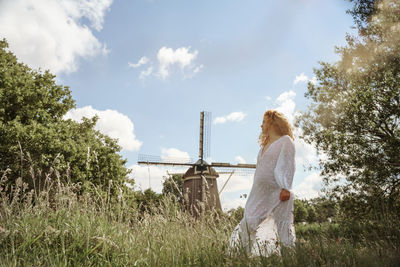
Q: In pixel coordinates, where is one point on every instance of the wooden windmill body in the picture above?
(200, 190)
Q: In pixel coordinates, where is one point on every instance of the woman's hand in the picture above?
(285, 195)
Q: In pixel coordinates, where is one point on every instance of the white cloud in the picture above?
(111, 123)
(240, 159)
(234, 116)
(286, 96)
(167, 57)
(300, 78)
(53, 34)
(197, 69)
(310, 187)
(287, 104)
(170, 60)
(142, 61)
(174, 154)
(268, 98)
(145, 73)
(313, 80)
(93, 10)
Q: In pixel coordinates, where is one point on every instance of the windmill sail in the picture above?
(156, 160)
(201, 135)
(228, 165)
(207, 134)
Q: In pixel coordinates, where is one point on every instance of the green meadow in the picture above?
(61, 226)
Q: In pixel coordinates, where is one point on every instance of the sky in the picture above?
(148, 68)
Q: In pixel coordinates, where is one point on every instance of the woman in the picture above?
(268, 214)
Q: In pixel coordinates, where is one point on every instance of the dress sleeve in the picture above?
(285, 165)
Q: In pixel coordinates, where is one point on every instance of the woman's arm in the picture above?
(285, 168)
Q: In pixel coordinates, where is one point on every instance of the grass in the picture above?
(64, 228)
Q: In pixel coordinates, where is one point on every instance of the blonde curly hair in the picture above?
(277, 120)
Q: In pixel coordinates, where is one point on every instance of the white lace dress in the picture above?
(268, 220)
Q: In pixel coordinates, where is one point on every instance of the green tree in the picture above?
(311, 214)
(300, 210)
(237, 214)
(354, 117)
(173, 185)
(36, 140)
(147, 200)
(324, 208)
(362, 12)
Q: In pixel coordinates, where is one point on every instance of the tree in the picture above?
(148, 200)
(236, 214)
(300, 210)
(312, 215)
(362, 12)
(354, 117)
(36, 140)
(173, 185)
(324, 208)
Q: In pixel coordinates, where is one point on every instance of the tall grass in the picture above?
(60, 226)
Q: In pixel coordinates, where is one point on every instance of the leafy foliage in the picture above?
(174, 185)
(354, 117)
(317, 209)
(236, 214)
(147, 200)
(34, 134)
(362, 12)
(300, 211)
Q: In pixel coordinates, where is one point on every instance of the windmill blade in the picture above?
(228, 165)
(238, 171)
(207, 134)
(201, 135)
(165, 163)
(220, 191)
(156, 160)
(182, 173)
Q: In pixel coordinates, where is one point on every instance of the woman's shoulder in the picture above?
(286, 139)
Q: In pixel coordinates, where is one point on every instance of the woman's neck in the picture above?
(273, 137)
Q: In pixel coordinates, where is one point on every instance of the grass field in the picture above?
(62, 228)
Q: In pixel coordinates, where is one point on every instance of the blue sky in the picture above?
(148, 68)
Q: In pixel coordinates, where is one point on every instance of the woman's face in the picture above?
(264, 126)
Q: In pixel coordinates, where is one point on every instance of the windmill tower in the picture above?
(200, 190)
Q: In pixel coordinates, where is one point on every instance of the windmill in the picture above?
(200, 190)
